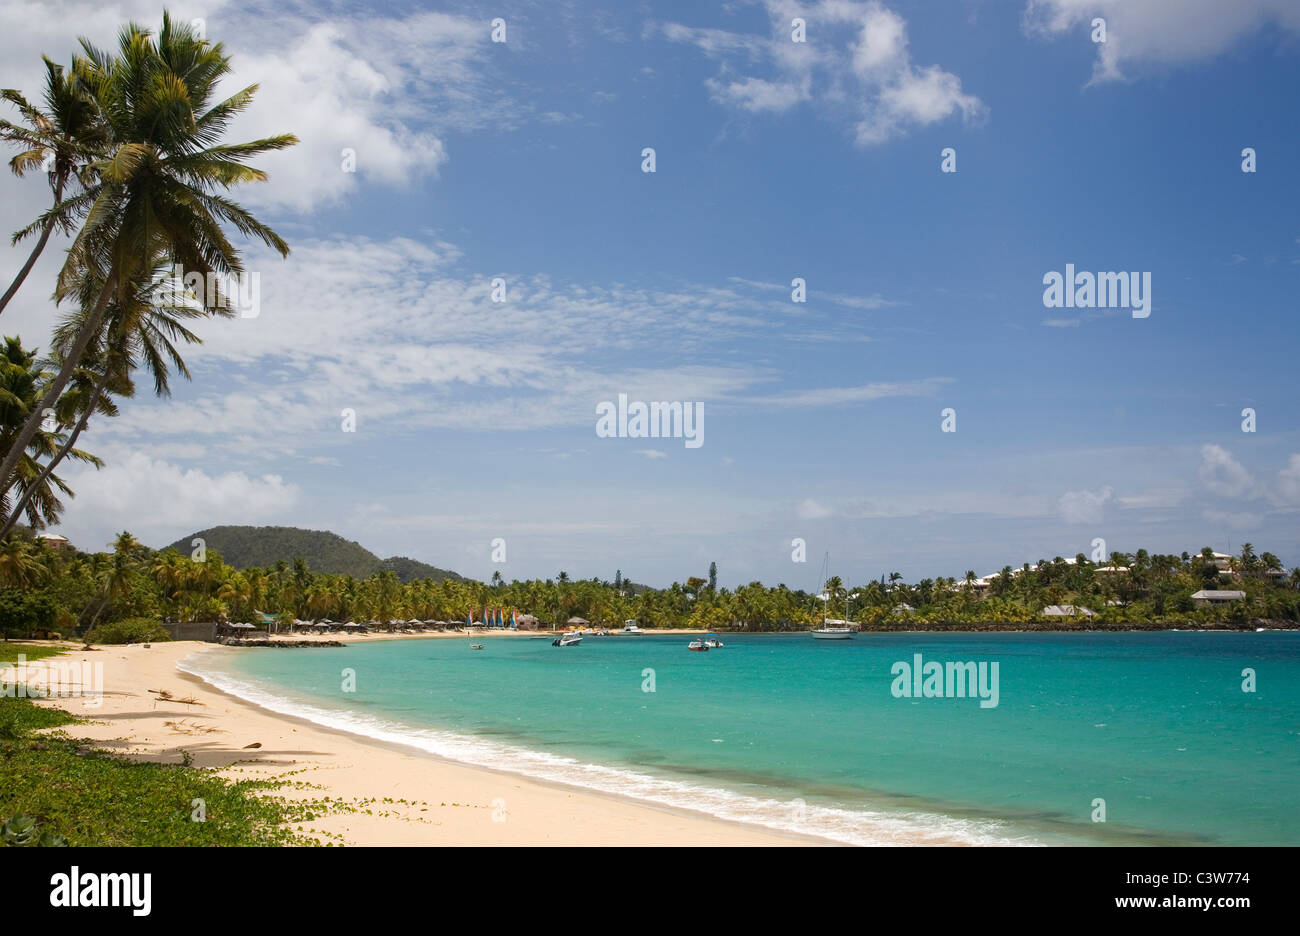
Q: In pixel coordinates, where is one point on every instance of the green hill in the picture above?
(246, 546)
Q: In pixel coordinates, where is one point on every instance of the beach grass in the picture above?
(89, 797)
(9, 652)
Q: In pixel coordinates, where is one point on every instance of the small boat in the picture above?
(711, 641)
(629, 627)
(476, 646)
(567, 640)
(698, 645)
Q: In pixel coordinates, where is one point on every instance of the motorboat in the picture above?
(712, 642)
(567, 640)
(629, 627)
(697, 645)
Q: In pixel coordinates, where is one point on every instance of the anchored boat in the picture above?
(833, 628)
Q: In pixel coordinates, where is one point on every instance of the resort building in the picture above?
(1207, 597)
(53, 540)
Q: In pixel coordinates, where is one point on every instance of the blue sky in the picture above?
(775, 160)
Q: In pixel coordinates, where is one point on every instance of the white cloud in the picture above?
(866, 393)
(400, 332)
(1158, 32)
(652, 453)
(159, 501)
(1222, 474)
(1085, 506)
(810, 509)
(323, 91)
(1157, 498)
(856, 61)
(1288, 483)
(1233, 520)
(758, 95)
(389, 87)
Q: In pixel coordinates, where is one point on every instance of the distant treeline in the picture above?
(52, 588)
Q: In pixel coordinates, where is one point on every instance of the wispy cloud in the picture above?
(857, 61)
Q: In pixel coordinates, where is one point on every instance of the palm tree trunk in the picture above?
(58, 456)
(8, 468)
(36, 252)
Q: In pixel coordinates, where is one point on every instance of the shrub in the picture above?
(128, 630)
(22, 613)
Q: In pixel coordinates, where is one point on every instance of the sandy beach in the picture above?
(444, 803)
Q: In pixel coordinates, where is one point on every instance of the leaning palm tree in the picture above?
(158, 189)
(64, 139)
(139, 332)
(36, 491)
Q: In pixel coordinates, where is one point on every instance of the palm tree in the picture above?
(143, 331)
(69, 133)
(74, 407)
(114, 578)
(835, 591)
(155, 192)
(21, 382)
(19, 565)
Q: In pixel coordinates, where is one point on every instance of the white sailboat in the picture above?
(832, 628)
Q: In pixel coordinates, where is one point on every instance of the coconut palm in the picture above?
(63, 139)
(157, 190)
(20, 566)
(84, 396)
(37, 491)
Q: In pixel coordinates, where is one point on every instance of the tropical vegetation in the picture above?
(129, 588)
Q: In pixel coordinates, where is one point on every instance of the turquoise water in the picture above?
(806, 735)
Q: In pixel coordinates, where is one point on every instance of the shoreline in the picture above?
(395, 794)
(399, 747)
(1251, 627)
